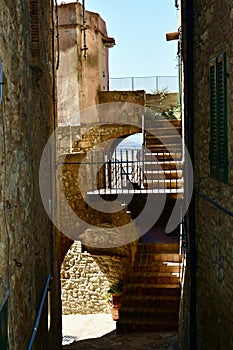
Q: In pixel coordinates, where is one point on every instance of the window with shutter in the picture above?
(34, 39)
(218, 115)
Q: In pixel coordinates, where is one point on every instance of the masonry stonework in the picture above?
(85, 279)
(213, 30)
(26, 122)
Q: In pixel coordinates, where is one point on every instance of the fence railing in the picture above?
(150, 84)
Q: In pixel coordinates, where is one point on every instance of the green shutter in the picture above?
(222, 119)
(213, 116)
(218, 114)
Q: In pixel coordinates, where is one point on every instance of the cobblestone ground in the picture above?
(94, 327)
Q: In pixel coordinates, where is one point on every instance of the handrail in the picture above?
(214, 202)
(38, 316)
(184, 239)
(5, 299)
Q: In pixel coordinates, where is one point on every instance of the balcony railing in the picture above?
(149, 84)
(135, 171)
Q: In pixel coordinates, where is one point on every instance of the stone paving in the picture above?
(98, 332)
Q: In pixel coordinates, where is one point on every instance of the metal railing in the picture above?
(38, 316)
(134, 171)
(184, 251)
(150, 84)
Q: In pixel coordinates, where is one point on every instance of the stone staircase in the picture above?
(163, 156)
(151, 293)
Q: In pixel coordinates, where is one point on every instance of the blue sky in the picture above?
(139, 28)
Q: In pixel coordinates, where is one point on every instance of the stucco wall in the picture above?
(80, 79)
(26, 119)
(212, 35)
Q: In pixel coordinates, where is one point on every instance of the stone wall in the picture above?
(85, 279)
(26, 121)
(162, 101)
(213, 32)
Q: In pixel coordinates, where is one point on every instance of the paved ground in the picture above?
(98, 332)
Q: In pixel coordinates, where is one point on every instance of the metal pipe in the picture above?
(38, 316)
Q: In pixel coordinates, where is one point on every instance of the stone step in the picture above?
(162, 156)
(147, 258)
(163, 184)
(154, 278)
(152, 289)
(165, 165)
(162, 123)
(156, 266)
(162, 174)
(162, 139)
(158, 247)
(169, 130)
(151, 301)
(172, 147)
(138, 325)
(149, 313)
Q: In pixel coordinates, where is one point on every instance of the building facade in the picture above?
(83, 61)
(207, 54)
(27, 239)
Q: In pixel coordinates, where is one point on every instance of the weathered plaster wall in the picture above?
(26, 120)
(80, 79)
(212, 35)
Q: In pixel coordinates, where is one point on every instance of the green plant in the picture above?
(115, 288)
(172, 113)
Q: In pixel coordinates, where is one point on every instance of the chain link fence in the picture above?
(149, 84)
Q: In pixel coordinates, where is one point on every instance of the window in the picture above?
(218, 116)
(34, 40)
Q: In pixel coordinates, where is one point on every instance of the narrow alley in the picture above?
(98, 332)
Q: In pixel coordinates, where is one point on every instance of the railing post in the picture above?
(38, 316)
(132, 81)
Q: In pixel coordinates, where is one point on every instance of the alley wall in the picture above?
(26, 122)
(213, 31)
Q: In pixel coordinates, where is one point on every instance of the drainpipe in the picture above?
(187, 16)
